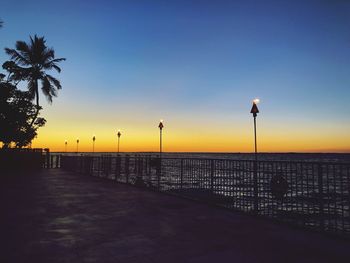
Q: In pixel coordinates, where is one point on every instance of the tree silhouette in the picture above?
(30, 62)
(17, 111)
(1, 23)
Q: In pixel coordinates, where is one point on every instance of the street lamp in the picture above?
(159, 170)
(93, 143)
(255, 112)
(119, 134)
(160, 126)
(77, 145)
(65, 146)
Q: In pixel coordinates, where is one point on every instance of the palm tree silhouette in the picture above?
(31, 61)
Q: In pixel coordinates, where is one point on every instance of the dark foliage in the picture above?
(16, 116)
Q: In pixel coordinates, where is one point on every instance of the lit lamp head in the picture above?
(160, 126)
(94, 138)
(255, 109)
(77, 140)
(119, 133)
(65, 142)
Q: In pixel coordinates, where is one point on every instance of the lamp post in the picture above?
(160, 126)
(159, 170)
(93, 143)
(119, 134)
(65, 146)
(255, 112)
(77, 145)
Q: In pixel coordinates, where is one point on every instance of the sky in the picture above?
(196, 64)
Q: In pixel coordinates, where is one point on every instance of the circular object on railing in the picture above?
(279, 186)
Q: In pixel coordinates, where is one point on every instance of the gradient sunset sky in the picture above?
(197, 65)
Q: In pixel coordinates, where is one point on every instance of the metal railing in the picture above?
(309, 194)
(51, 160)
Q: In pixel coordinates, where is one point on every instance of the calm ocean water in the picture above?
(324, 157)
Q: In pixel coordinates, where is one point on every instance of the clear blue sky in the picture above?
(197, 59)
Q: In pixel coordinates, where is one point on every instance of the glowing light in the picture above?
(256, 101)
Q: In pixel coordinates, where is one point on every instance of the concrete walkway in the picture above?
(54, 216)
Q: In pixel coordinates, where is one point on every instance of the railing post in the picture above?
(99, 166)
(212, 167)
(140, 168)
(92, 165)
(320, 196)
(57, 160)
(255, 186)
(47, 160)
(117, 167)
(159, 172)
(149, 165)
(127, 168)
(108, 165)
(148, 170)
(103, 166)
(181, 173)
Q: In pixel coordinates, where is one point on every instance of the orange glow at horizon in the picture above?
(188, 131)
(190, 139)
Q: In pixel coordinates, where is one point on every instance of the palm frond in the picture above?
(17, 57)
(16, 73)
(57, 68)
(51, 65)
(23, 49)
(48, 55)
(58, 60)
(55, 82)
(48, 90)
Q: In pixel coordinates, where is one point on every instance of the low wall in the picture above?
(21, 159)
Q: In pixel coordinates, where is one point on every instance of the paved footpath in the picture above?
(54, 216)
